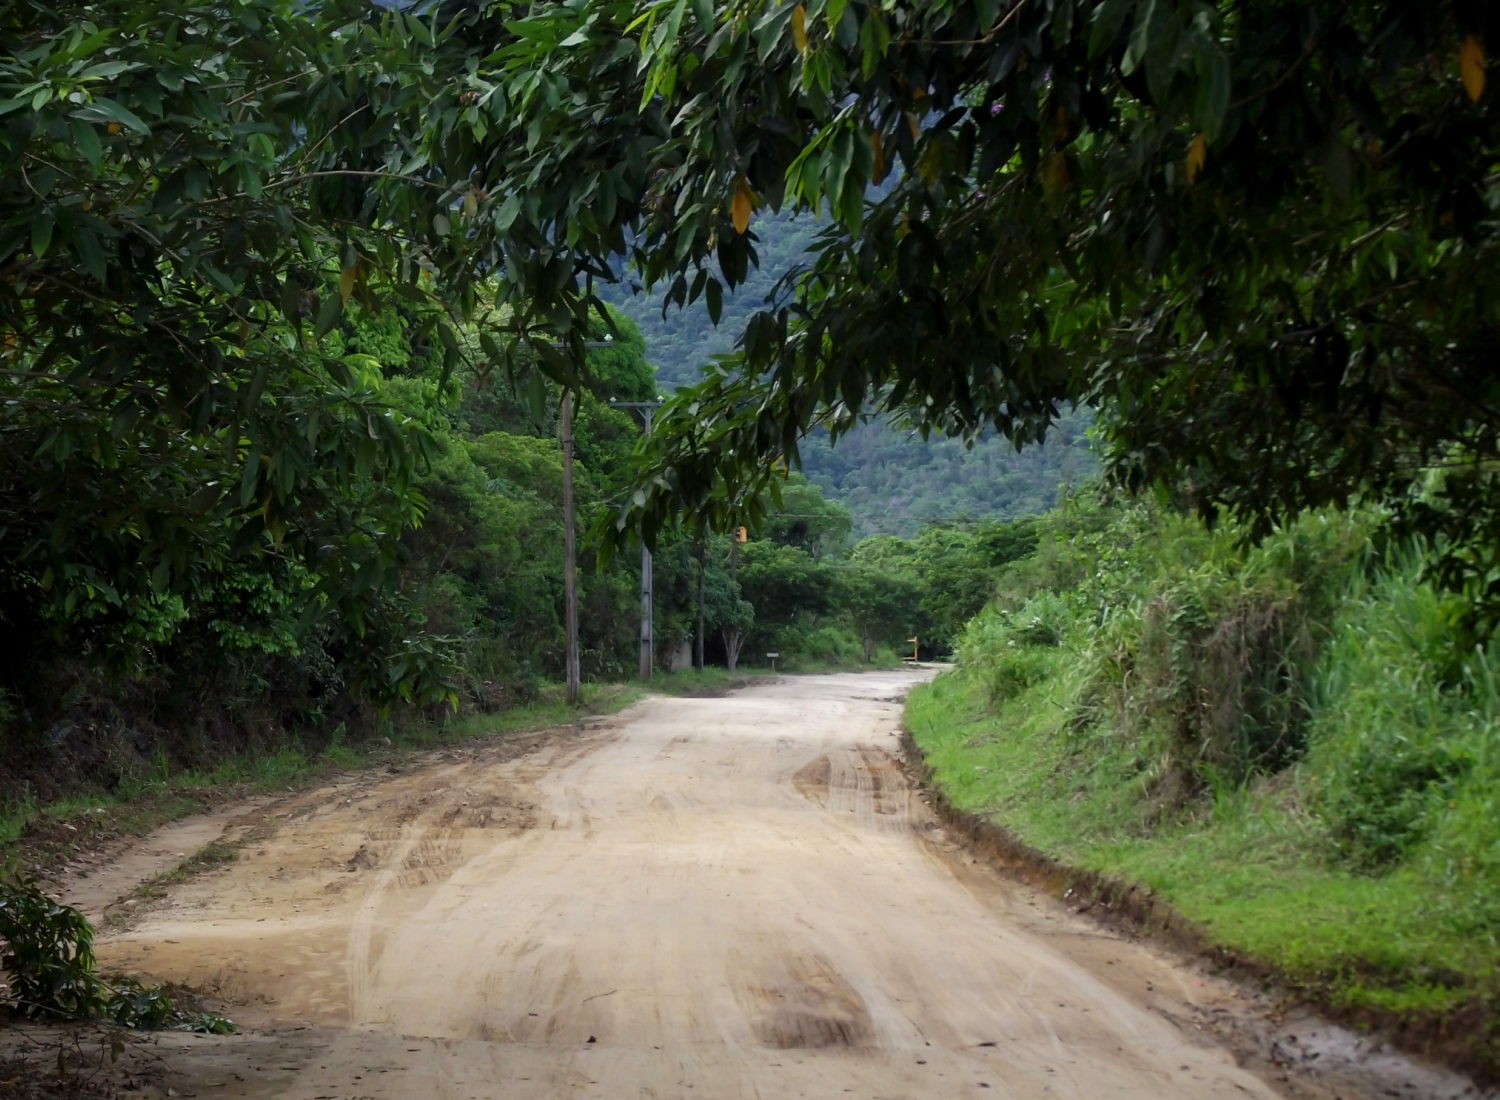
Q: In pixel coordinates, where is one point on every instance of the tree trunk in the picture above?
(733, 639)
(570, 556)
(698, 637)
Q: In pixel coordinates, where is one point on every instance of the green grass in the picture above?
(159, 795)
(813, 666)
(1252, 868)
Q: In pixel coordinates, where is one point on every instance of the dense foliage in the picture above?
(1259, 236)
(1105, 202)
(49, 964)
(173, 252)
(1288, 741)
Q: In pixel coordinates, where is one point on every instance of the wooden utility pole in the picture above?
(570, 553)
(647, 607)
(647, 614)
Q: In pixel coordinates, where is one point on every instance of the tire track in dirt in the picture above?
(716, 899)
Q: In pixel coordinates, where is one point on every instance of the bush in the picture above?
(817, 646)
(1012, 651)
(1202, 646)
(49, 958)
(1290, 742)
(1405, 724)
(1381, 800)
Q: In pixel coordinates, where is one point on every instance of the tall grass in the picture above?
(1287, 740)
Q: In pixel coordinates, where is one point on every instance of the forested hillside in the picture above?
(891, 480)
(681, 342)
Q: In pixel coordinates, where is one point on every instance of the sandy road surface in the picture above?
(704, 898)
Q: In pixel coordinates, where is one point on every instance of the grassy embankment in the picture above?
(1292, 745)
(155, 796)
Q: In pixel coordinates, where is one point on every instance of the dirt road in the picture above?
(710, 898)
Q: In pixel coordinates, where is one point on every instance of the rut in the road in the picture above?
(718, 898)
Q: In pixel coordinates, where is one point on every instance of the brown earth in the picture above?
(711, 898)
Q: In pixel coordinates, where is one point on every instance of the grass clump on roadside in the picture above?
(1290, 743)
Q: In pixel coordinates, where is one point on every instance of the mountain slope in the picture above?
(891, 481)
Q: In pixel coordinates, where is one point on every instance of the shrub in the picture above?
(1381, 801)
(1012, 651)
(1404, 719)
(49, 957)
(1201, 646)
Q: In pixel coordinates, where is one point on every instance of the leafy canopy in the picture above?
(1259, 236)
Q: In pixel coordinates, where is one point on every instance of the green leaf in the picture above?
(506, 215)
(1213, 89)
(714, 297)
(86, 246)
(86, 139)
(536, 396)
(338, 370)
(41, 232)
(250, 478)
(839, 160)
(291, 302)
(250, 179)
(873, 41)
(330, 309)
(106, 69)
(1140, 38)
(111, 111)
(492, 349)
(1109, 17)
